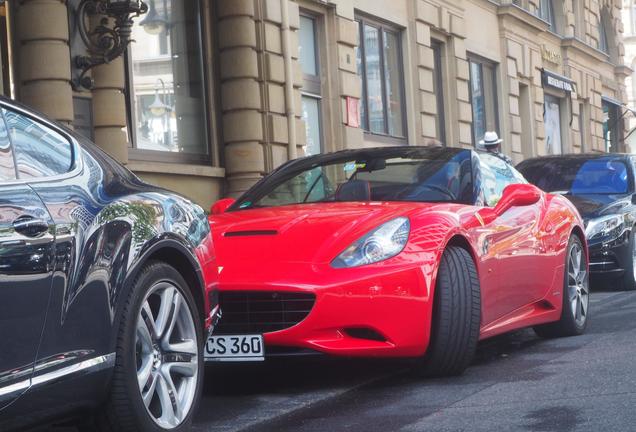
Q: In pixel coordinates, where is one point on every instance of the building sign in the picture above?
(550, 55)
(83, 116)
(557, 82)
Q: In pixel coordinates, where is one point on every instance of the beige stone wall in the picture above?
(257, 122)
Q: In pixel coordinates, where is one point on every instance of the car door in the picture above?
(513, 241)
(26, 263)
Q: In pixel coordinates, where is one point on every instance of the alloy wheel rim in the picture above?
(167, 355)
(578, 287)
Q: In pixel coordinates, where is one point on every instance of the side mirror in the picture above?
(517, 195)
(221, 205)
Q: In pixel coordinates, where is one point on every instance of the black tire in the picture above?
(456, 315)
(124, 410)
(567, 324)
(627, 282)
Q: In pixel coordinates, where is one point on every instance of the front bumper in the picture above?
(610, 258)
(377, 311)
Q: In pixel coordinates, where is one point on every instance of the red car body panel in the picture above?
(520, 258)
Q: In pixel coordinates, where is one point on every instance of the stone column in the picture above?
(44, 68)
(109, 109)
(241, 101)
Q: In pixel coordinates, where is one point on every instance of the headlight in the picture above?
(605, 226)
(382, 243)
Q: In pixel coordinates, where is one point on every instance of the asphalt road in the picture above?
(518, 382)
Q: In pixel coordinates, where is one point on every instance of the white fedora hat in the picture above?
(490, 138)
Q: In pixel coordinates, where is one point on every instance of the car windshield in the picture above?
(420, 175)
(578, 176)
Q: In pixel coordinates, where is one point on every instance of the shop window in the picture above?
(438, 85)
(552, 122)
(166, 85)
(311, 92)
(379, 59)
(483, 97)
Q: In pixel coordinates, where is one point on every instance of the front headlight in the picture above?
(382, 243)
(605, 226)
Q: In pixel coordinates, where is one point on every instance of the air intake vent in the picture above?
(262, 311)
(250, 233)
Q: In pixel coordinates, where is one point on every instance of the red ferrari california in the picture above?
(395, 252)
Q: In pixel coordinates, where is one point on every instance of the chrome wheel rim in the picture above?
(167, 355)
(578, 288)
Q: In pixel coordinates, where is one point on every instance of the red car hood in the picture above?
(308, 233)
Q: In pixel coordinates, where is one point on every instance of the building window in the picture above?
(603, 43)
(379, 59)
(483, 97)
(552, 122)
(166, 84)
(311, 91)
(632, 18)
(438, 85)
(611, 126)
(546, 13)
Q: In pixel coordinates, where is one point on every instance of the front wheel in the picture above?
(576, 295)
(456, 315)
(628, 281)
(158, 373)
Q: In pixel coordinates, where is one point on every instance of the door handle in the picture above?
(30, 227)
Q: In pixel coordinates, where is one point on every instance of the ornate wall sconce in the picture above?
(108, 39)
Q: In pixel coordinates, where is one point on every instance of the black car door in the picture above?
(26, 265)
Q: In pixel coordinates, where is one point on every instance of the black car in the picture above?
(103, 287)
(601, 186)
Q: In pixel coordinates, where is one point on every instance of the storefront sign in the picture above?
(558, 82)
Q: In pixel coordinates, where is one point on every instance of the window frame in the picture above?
(438, 48)
(76, 159)
(474, 58)
(548, 15)
(382, 26)
(312, 84)
(207, 38)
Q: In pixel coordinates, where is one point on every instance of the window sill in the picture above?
(371, 137)
(176, 169)
(524, 16)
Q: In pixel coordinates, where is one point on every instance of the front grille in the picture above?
(261, 311)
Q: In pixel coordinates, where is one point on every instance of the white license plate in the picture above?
(235, 348)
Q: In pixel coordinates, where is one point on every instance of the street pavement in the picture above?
(517, 382)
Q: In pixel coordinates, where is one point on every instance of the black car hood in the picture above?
(595, 205)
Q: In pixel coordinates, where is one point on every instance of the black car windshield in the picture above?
(400, 174)
(577, 176)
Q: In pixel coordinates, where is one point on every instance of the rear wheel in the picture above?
(576, 295)
(158, 373)
(456, 315)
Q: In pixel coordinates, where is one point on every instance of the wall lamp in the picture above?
(109, 38)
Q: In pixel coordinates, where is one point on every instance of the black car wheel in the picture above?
(456, 315)
(158, 374)
(576, 295)
(628, 281)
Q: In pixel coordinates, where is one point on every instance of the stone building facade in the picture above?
(213, 94)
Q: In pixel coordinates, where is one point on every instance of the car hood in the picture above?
(308, 233)
(591, 206)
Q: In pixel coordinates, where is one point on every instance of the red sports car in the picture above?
(395, 252)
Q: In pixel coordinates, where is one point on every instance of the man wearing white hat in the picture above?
(492, 144)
